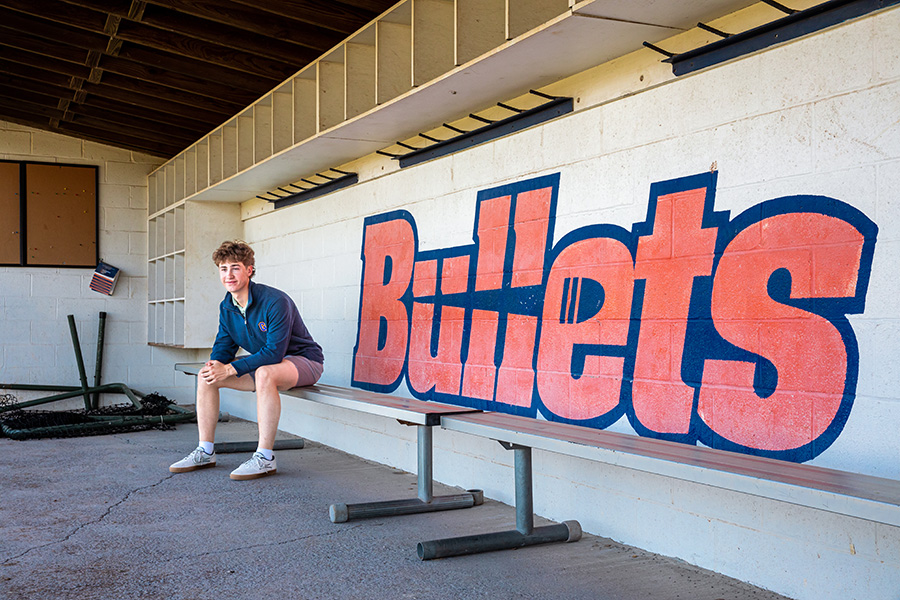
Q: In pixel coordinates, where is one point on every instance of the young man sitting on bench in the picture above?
(265, 322)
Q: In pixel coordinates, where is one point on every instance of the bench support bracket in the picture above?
(525, 533)
(426, 501)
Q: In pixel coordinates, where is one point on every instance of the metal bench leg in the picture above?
(525, 534)
(426, 502)
(235, 447)
(425, 470)
(524, 493)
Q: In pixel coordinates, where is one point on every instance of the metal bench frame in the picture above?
(850, 494)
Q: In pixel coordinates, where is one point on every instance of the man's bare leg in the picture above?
(207, 417)
(269, 380)
(208, 402)
(207, 410)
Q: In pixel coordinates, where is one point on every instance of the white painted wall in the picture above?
(816, 116)
(35, 345)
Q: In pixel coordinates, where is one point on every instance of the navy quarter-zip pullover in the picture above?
(271, 330)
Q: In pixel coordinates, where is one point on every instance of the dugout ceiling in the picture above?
(155, 76)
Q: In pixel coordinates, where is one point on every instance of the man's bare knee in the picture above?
(265, 377)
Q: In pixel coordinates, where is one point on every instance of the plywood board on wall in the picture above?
(61, 215)
(10, 222)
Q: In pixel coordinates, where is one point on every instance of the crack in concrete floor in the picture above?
(267, 545)
(81, 526)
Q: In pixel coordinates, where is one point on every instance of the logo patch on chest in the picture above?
(262, 326)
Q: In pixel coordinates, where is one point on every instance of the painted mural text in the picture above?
(695, 326)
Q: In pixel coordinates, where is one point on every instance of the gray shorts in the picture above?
(308, 371)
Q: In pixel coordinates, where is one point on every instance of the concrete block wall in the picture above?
(35, 345)
(782, 122)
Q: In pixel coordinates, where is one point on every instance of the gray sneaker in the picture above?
(198, 459)
(256, 467)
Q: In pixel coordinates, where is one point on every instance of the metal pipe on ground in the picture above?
(66, 392)
(567, 531)
(340, 513)
(232, 447)
(35, 424)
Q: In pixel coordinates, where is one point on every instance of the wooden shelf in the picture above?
(422, 63)
(182, 235)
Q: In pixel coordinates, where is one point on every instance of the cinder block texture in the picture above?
(774, 124)
(35, 340)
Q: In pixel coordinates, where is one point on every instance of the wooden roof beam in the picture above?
(199, 69)
(25, 107)
(34, 73)
(40, 87)
(235, 90)
(240, 17)
(230, 34)
(231, 37)
(337, 16)
(187, 118)
(180, 34)
(145, 36)
(162, 92)
(60, 12)
(50, 119)
(119, 140)
(131, 129)
(37, 26)
(128, 91)
(372, 6)
(46, 63)
(135, 76)
(41, 104)
(18, 40)
(144, 39)
(210, 111)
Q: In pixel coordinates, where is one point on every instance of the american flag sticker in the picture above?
(104, 279)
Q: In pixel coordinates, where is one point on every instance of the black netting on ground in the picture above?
(117, 418)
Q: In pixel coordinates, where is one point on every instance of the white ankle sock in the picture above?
(208, 447)
(266, 452)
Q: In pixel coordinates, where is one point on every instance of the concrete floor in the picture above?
(102, 518)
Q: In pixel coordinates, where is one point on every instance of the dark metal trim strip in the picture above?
(781, 30)
(517, 122)
(320, 190)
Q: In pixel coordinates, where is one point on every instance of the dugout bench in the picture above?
(852, 494)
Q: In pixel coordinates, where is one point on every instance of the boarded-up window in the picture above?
(49, 215)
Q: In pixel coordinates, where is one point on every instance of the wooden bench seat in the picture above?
(405, 410)
(853, 494)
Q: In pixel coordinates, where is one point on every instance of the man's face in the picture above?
(235, 276)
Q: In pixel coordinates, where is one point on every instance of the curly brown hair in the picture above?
(235, 251)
